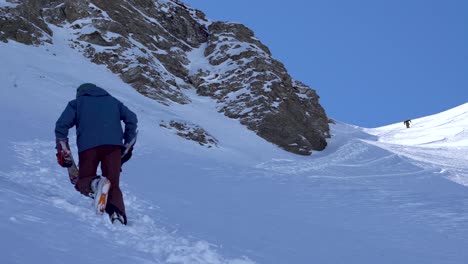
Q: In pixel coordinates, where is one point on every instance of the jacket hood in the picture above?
(89, 89)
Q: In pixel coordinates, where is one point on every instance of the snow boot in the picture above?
(117, 218)
(100, 187)
(115, 215)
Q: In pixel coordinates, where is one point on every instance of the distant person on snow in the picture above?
(407, 123)
(100, 138)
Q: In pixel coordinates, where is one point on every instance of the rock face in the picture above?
(163, 48)
(255, 88)
(191, 132)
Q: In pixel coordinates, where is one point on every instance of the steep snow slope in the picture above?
(440, 141)
(368, 198)
(42, 215)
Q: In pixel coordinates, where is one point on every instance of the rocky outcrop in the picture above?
(255, 88)
(24, 24)
(191, 132)
(164, 47)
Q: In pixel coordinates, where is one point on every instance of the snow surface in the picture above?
(381, 195)
(5, 3)
(440, 140)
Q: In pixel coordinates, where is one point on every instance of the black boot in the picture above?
(115, 215)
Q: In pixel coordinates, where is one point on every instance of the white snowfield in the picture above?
(440, 140)
(385, 195)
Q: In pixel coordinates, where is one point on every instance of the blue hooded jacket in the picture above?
(97, 117)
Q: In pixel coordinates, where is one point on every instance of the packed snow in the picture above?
(383, 195)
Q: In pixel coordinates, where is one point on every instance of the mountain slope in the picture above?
(244, 201)
(164, 48)
(432, 140)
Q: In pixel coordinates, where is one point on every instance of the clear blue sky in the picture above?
(373, 62)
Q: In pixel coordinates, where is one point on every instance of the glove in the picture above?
(126, 156)
(127, 150)
(64, 158)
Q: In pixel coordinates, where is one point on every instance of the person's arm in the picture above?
(130, 119)
(66, 121)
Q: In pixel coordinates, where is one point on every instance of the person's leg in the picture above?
(88, 162)
(110, 167)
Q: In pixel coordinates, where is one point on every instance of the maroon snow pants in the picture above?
(109, 157)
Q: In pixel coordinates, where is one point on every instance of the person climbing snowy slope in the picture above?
(100, 139)
(407, 123)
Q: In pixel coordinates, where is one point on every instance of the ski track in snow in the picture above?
(361, 162)
(439, 141)
(39, 174)
(438, 158)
